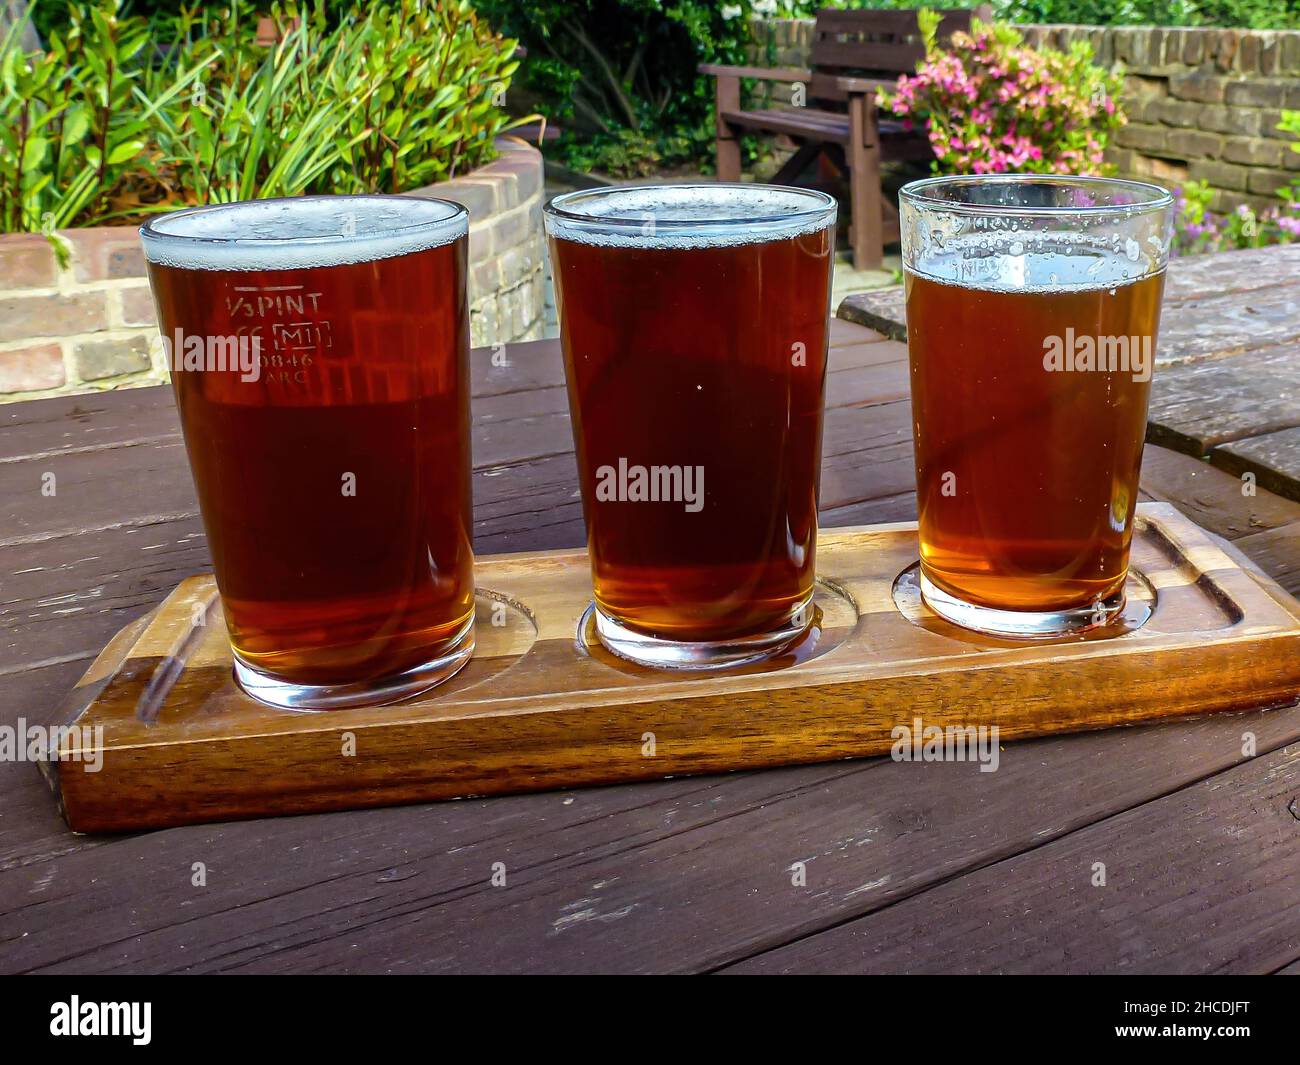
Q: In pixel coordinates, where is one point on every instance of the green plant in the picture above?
(401, 96)
(1199, 229)
(1291, 194)
(619, 76)
(69, 130)
(990, 104)
(120, 116)
(1247, 14)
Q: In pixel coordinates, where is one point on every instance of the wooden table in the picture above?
(1227, 381)
(917, 867)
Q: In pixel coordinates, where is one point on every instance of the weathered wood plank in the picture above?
(101, 420)
(847, 334)
(1274, 458)
(685, 875)
(900, 507)
(866, 453)
(1239, 279)
(68, 595)
(1217, 894)
(1277, 553)
(860, 356)
(512, 424)
(881, 309)
(1197, 406)
(1231, 272)
(1213, 499)
(1219, 326)
(31, 829)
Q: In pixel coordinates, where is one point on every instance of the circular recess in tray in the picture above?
(835, 615)
(1140, 605)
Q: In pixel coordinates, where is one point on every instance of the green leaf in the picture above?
(124, 151)
(76, 123)
(34, 153)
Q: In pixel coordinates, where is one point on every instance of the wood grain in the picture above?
(1196, 406)
(1274, 458)
(1216, 895)
(535, 711)
(1215, 500)
(681, 875)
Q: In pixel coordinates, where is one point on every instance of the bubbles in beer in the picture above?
(688, 216)
(304, 233)
(1041, 266)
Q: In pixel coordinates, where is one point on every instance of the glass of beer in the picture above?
(1032, 308)
(319, 351)
(693, 320)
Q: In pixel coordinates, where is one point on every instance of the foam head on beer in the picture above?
(669, 217)
(305, 233)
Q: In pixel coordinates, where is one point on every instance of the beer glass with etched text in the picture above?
(1033, 303)
(319, 356)
(693, 320)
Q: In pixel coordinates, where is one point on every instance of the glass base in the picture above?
(284, 695)
(703, 654)
(1020, 624)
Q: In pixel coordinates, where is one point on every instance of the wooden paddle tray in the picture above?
(538, 708)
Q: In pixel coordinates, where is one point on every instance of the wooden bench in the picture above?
(854, 54)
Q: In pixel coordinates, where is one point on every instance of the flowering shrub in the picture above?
(991, 104)
(1198, 229)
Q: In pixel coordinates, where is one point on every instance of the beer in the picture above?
(332, 465)
(694, 326)
(1033, 453)
(1031, 357)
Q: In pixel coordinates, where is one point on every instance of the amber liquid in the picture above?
(364, 381)
(1027, 479)
(688, 357)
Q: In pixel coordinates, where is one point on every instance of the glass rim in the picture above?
(151, 230)
(916, 193)
(560, 206)
(239, 250)
(183, 239)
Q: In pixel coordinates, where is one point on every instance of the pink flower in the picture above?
(989, 107)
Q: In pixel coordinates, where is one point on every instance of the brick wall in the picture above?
(507, 275)
(90, 327)
(1203, 104)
